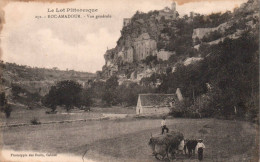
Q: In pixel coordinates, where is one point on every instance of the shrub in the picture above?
(16, 89)
(7, 110)
(51, 112)
(4, 106)
(35, 121)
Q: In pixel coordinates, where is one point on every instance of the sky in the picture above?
(78, 44)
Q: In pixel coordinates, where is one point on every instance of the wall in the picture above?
(201, 32)
(164, 55)
(161, 110)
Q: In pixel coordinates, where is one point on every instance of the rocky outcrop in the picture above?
(139, 39)
(144, 46)
(191, 60)
(149, 34)
(243, 18)
(202, 32)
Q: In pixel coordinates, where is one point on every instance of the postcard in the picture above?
(129, 80)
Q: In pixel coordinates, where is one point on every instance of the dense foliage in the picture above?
(231, 70)
(67, 93)
(113, 94)
(22, 95)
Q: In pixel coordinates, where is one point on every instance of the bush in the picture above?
(7, 111)
(35, 121)
(177, 113)
(16, 89)
(149, 60)
(51, 112)
(4, 106)
(184, 114)
(185, 109)
(214, 35)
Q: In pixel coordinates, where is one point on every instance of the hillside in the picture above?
(152, 42)
(213, 59)
(35, 82)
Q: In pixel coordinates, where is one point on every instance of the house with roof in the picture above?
(154, 103)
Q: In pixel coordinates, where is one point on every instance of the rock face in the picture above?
(164, 55)
(144, 46)
(202, 32)
(139, 39)
(135, 50)
(162, 34)
(243, 18)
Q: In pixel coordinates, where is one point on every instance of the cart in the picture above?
(166, 146)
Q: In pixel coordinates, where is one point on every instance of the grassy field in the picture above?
(127, 139)
(23, 115)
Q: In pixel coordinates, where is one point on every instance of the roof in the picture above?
(154, 100)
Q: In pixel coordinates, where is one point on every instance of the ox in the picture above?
(190, 145)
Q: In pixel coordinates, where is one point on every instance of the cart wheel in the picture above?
(159, 156)
(171, 153)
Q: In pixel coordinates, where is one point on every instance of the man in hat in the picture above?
(200, 146)
(163, 125)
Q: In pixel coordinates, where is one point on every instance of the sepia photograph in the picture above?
(129, 81)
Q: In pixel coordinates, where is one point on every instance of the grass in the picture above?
(23, 115)
(128, 139)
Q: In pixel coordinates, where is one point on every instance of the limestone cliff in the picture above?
(170, 39)
(139, 39)
(246, 17)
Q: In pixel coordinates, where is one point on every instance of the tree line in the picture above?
(223, 84)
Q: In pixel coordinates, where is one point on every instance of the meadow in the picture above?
(127, 139)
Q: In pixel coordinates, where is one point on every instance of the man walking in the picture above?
(163, 125)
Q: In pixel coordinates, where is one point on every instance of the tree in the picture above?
(85, 98)
(150, 60)
(128, 94)
(4, 106)
(66, 93)
(51, 99)
(109, 95)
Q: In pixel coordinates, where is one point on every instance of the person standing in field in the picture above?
(181, 146)
(200, 146)
(163, 125)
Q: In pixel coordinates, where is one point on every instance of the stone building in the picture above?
(164, 55)
(144, 46)
(153, 103)
(126, 21)
(168, 13)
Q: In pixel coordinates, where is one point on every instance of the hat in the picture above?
(200, 140)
